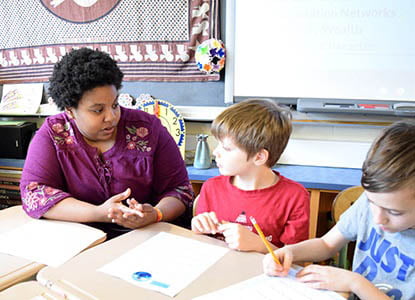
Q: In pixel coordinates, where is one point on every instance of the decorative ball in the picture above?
(210, 56)
(126, 100)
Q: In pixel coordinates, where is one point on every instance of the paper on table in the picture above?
(48, 242)
(263, 287)
(166, 263)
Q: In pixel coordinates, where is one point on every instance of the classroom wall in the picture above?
(357, 133)
(180, 93)
(185, 93)
(201, 95)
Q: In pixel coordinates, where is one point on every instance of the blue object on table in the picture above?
(141, 276)
(202, 155)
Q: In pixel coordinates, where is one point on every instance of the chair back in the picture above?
(341, 203)
(344, 200)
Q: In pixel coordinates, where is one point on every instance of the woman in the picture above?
(84, 162)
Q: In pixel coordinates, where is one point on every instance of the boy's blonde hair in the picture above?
(390, 162)
(255, 124)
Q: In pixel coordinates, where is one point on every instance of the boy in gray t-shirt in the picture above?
(385, 258)
(382, 222)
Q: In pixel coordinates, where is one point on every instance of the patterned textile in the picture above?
(152, 40)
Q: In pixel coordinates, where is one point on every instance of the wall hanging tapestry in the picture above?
(152, 40)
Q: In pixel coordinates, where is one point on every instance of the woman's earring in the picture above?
(69, 113)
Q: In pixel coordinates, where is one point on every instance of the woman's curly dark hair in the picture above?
(79, 71)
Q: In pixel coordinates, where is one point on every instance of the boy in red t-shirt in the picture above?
(252, 136)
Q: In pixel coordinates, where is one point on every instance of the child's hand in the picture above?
(205, 223)
(271, 268)
(328, 278)
(240, 238)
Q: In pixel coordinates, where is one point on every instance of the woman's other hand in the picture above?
(135, 216)
(112, 203)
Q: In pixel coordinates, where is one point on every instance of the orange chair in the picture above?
(340, 204)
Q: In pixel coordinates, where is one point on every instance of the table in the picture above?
(79, 277)
(28, 291)
(14, 269)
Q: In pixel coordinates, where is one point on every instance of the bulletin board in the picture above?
(151, 40)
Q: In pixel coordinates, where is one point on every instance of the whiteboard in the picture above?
(341, 49)
(325, 153)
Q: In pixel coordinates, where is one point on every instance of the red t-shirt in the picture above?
(282, 210)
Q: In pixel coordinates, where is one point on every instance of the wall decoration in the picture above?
(210, 56)
(21, 98)
(151, 40)
(169, 116)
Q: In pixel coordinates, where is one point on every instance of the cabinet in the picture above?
(320, 211)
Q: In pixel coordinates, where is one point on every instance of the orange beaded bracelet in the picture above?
(159, 214)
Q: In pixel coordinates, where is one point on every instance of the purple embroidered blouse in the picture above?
(61, 164)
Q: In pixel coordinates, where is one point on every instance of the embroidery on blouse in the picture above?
(135, 139)
(63, 134)
(38, 195)
(186, 190)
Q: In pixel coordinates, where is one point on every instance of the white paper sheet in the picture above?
(167, 262)
(264, 287)
(48, 242)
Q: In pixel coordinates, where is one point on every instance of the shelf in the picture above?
(11, 163)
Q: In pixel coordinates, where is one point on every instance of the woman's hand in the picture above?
(112, 204)
(135, 216)
(285, 256)
(205, 223)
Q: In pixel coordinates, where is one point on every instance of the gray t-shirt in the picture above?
(386, 259)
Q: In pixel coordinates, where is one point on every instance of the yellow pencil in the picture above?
(263, 238)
